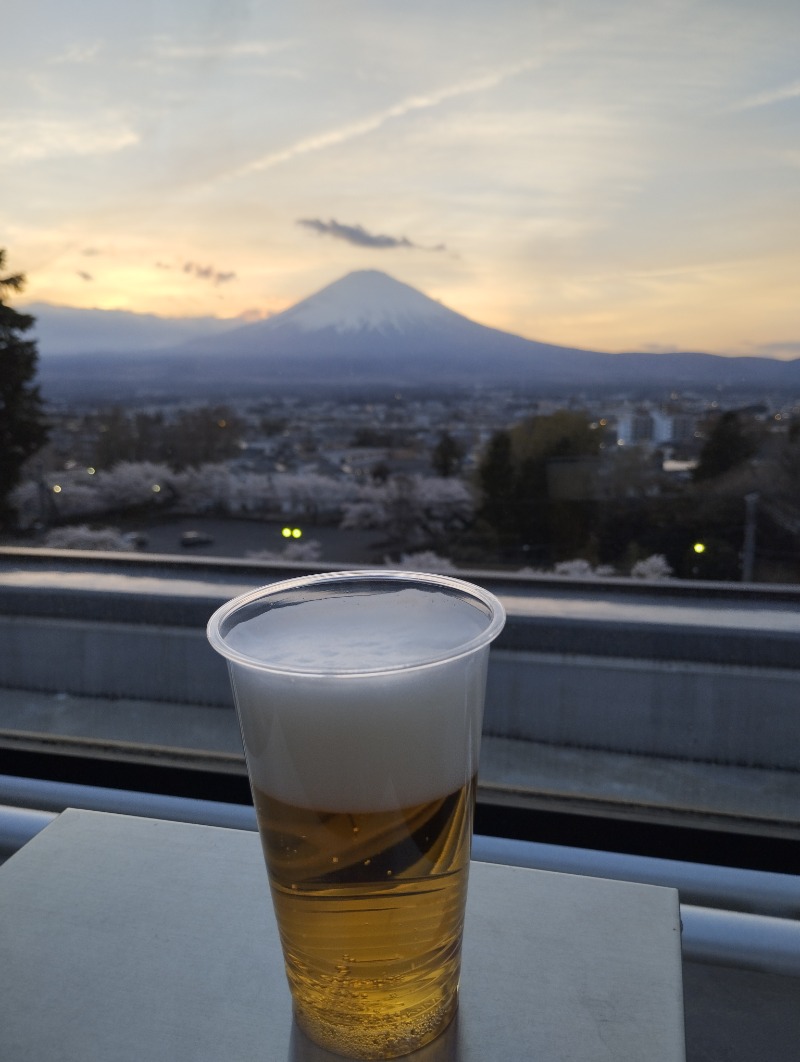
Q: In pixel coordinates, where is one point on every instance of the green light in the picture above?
(287, 532)
(698, 547)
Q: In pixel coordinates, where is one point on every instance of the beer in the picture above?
(370, 907)
(360, 700)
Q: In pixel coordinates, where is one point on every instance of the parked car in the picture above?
(136, 539)
(196, 538)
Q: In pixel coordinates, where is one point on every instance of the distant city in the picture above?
(333, 464)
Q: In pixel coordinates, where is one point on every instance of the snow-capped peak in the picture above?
(366, 300)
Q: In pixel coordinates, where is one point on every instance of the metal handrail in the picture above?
(765, 936)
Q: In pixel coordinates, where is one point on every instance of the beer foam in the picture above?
(345, 738)
(358, 632)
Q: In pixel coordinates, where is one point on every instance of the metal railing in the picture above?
(734, 917)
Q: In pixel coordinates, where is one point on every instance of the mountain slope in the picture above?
(369, 328)
(368, 313)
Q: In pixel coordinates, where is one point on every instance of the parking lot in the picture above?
(219, 537)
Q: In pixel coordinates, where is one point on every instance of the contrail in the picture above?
(369, 124)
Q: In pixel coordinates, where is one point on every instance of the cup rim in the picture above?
(496, 615)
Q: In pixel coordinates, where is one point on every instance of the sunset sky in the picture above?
(601, 173)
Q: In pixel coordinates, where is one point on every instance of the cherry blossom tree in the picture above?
(131, 484)
(312, 496)
(82, 537)
(56, 498)
(415, 510)
(205, 489)
(654, 567)
(575, 569)
(422, 561)
(26, 501)
(308, 552)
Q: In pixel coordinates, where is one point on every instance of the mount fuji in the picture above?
(368, 328)
(370, 331)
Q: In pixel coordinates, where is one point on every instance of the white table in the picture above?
(137, 940)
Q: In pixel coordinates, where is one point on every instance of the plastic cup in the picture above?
(360, 699)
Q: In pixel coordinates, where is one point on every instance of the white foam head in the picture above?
(360, 691)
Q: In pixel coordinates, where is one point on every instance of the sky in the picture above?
(607, 174)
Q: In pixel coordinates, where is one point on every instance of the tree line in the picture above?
(553, 488)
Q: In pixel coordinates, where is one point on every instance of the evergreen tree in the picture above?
(727, 446)
(447, 456)
(514, 482)
(22, 425)
(497, 484)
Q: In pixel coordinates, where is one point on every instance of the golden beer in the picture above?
(360, 700)
(370, 908)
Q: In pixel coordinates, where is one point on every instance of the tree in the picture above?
(22, 425)
(565, 433)
(447, 456)
(728, 446)
(516, 477)
(195, 437)
(418, 512)
(497, 485)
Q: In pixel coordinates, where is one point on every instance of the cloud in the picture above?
(765, 99)
(78, 53)
(84, 275)
(207, 273)
(788, 349)
(358, 235)
(659, 348)
(33, 139)
(222, 50)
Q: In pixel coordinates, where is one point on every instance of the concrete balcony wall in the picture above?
(718, 713)
(133, 660)
(594, 667)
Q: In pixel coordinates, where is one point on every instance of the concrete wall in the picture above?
(87, 658)
(714, 713)
(696, 671)
(708, 711)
